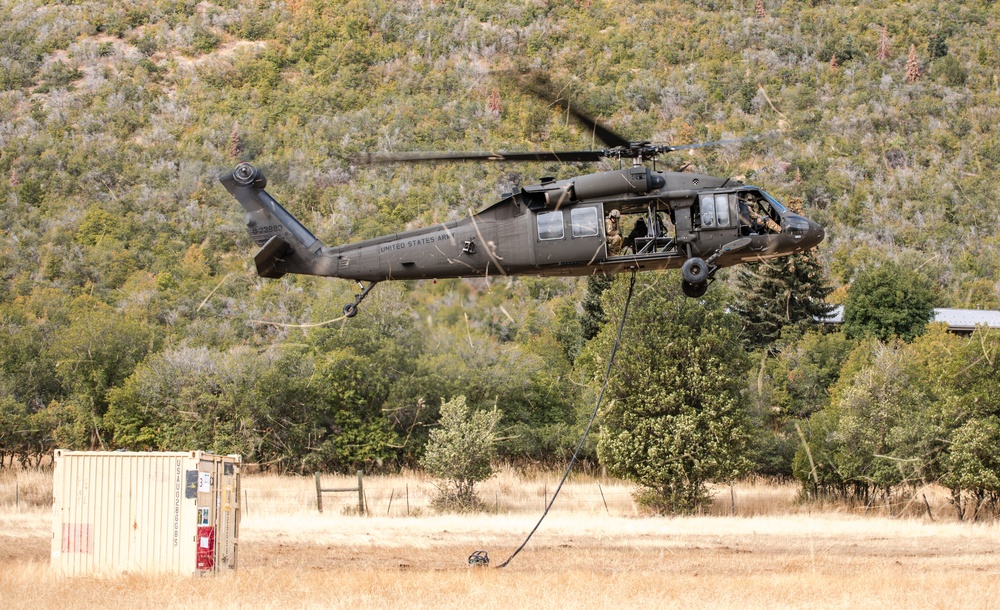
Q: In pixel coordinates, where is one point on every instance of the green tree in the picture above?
(939, 364)
(874, 406)
(936, 45)
(233, 401)
(888, 301)
(949, 70)
(960, 430)
(771, 295)
(347, 426)
(14, 426)
(529, 379)
(278, 409)
(788, 388)
(368, 384)
(97, 352)
(907, 413)
(593, 316)
(459, 452)
(676, 416)
(973, 466)
(862, 445)
(26, 360)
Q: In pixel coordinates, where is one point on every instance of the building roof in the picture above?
(958, 320)
(967, 319)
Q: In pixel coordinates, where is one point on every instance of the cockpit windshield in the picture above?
(780, 209)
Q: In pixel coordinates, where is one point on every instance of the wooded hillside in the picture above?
(132, 315)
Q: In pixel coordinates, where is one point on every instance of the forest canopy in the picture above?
(132, 315)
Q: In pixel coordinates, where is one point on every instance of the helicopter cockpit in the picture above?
(719, 216)
(748, 210)
(758, 213)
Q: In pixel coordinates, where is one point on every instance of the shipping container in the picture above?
(142, 512)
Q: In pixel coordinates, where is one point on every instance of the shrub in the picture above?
(460, 453)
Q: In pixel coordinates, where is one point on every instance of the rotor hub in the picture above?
(244, 174)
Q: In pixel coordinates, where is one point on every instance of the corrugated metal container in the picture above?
(145, 512)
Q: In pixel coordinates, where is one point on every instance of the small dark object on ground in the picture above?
(479, 559)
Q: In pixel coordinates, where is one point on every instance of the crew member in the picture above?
(756, 219)
(763, 219)
(639, 230)
(613, 233)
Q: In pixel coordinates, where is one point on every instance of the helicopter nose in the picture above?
(814, 234)
(803, 231)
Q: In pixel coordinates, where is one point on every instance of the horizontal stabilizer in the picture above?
(270, 255)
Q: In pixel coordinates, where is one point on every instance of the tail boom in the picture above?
(285, 245)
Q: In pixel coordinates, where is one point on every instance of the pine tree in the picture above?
(833, 62)
(936, 46)
(759, 10)
(912, 65)
(883, 44)
(774, 294)
(593, 317)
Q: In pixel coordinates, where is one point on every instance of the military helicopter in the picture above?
(554, 228)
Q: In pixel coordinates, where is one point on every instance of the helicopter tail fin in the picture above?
(285, 245)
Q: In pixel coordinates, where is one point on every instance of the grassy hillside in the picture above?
(120, 247)
(118, 118)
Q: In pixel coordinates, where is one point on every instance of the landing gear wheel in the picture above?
(695, 270)
(351, 309)
(694, 291)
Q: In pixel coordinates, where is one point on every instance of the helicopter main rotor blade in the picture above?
(720, 142)
(601, 132)
(544, 91)
(569, 156)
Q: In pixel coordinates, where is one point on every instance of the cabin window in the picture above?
(722, 210)
(584, 222)
(714, 210)
(550, 225)
(707, 211)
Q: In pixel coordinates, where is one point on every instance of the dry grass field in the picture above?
(594, 550)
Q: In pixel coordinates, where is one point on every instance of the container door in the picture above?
(228, 513)
(206, 515)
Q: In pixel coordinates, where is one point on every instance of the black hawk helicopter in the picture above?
(555, 228)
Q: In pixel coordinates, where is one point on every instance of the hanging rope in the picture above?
(593, 416)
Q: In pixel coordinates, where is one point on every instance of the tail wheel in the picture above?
(351, 309)
(695, 270)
